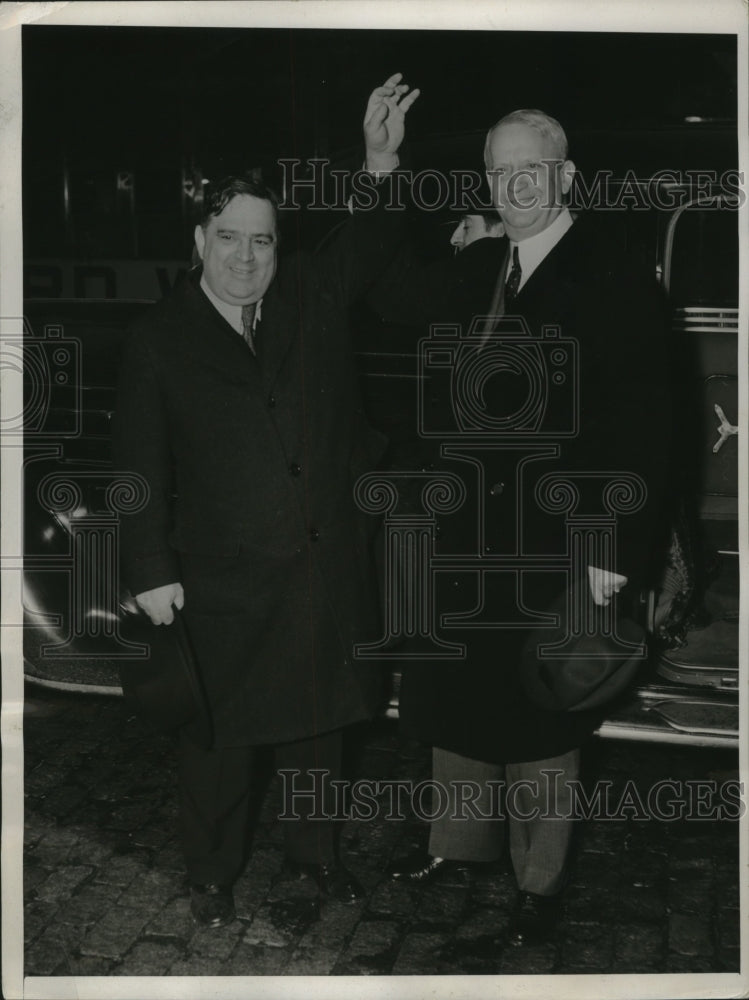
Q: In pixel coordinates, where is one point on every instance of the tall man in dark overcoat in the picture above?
(240, 408)
(551, 271)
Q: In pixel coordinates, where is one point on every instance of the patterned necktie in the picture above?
(248, 319)
(513, 279)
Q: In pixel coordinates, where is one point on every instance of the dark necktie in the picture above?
(248, 319)
(513, 279)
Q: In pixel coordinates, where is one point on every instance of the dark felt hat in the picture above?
(164, 687)
(585, 661)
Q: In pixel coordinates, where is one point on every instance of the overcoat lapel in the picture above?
(211, 340)
(553, 276)
(547, 282)
(282, 319)
(497, 304)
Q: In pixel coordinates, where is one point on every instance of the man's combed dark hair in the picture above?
(490, 216)
(219, 194)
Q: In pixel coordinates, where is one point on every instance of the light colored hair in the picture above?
(542, 123)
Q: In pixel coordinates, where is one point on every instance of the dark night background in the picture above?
(155, 100)
(115, 122)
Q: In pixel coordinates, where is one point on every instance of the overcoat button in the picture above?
(497, 489)
(314, 534)
(295, 469)
(271, 401)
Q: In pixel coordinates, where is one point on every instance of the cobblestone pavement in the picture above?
(105, 895)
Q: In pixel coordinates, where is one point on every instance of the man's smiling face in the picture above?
(238, 248)
(527, 179)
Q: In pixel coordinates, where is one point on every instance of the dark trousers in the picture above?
(216, 790)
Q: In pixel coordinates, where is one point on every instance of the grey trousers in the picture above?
(533, 806)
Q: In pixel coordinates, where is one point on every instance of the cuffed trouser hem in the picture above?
(216, 788)
(468, 789)
(537, 804)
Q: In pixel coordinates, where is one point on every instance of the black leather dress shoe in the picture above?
(534, 919)
(333, 880)
(421, 867)
(211, 905)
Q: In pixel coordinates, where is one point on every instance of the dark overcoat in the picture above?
(250, 464)
(592, 294)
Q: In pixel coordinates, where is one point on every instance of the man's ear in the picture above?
(200, 240)
(568, 175)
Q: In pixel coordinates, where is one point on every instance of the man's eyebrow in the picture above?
(226, 229)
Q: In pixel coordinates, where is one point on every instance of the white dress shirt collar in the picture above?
(232, 314)
(533, 250)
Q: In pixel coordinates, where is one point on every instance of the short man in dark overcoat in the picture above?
(240, 408)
